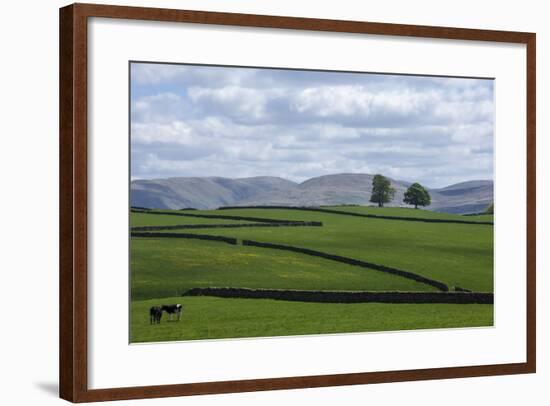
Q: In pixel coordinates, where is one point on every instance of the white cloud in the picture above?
(146, 73)
(207, 121)
(358, 100)
(185, 75)
(176, 132)
(241, 103)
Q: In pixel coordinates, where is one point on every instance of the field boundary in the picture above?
(320, 254)
(200, 226)
(215, 216)
(228, 240)
(345, 296)
(347, 213)
(350, 261)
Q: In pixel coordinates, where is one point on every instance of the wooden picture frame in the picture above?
(74, 201)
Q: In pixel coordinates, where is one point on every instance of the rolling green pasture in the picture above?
(406, 212)
(214, 318)
(170, 266)
(141, 219)
(163, 268)
(455, 254)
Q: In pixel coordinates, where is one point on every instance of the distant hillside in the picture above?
(461, 198)
(214, 192)
(203, 193)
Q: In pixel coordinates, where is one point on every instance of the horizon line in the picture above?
(306, 180)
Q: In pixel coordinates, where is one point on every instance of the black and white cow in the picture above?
(173, 310)
(155, 314)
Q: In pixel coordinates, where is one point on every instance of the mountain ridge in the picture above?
(344, 188)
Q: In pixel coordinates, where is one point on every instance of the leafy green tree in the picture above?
(417, 195)
(382, 192)
(490, 209)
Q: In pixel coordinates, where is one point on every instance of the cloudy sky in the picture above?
(191, 120)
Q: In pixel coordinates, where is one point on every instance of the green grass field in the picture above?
(186, 264)
(140, 219)
(214, 318)
(406, 212)
(456, 254)
(164, 268)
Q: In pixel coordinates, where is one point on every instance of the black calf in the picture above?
(155, 314)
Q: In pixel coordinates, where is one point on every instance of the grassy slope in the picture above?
(456, 254)
(406, 212)
(140, 219)
(166, 267)
(206, 317)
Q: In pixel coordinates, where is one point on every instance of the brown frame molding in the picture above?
(73, 362)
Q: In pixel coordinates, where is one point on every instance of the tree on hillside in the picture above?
(417, 195)
(490, 209)
(382, 192)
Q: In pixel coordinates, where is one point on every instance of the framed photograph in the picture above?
(256, 202)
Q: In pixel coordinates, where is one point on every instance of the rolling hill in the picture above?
(338, 189)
